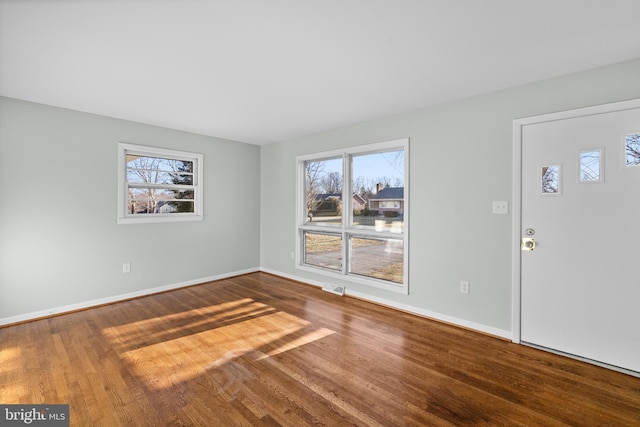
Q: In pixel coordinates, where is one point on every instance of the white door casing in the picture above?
(578, 291)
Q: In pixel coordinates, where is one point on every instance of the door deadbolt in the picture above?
(528, 244)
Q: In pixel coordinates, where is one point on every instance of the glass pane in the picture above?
(378, 190)
(179, 206)
(160, 193)
(159, 200)
(590, 166)
(139, 176)
(378, 258)
(323, 250)
(323, 191)
(632, 149)
(154, 170)
(550, 179)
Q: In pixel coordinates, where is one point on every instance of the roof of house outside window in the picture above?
(327, 196)
(389, 193)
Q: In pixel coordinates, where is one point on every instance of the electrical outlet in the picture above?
(126, 267)
(464, 287)
(501, 208)
(293, 255)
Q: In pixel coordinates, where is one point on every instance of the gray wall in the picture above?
(60, 244)
(460, 161)
(59, 241)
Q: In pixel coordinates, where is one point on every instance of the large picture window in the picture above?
(157, 185)
(353, 214)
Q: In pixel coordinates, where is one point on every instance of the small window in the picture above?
(632, 149)
(591, 166)
(158, 185)
(550, 179)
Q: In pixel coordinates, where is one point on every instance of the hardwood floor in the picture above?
(262, 350)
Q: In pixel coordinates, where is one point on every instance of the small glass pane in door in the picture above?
(632, 150)
(590, 166)
(550, 179)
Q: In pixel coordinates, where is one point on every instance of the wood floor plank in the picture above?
(262, 350)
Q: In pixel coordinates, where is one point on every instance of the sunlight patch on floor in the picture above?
(9, 358)
(162, 358)
(163, 326)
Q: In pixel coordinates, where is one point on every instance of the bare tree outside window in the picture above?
(323, 190)
(313, 174)
(632, 145)
(332, 183)
(159, 185)
(550, 179)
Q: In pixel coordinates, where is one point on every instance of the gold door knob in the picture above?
(528, 244)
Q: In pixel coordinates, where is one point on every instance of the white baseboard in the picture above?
(116, 298)
(408, 308)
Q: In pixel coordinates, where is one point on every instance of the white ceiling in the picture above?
(260, 71)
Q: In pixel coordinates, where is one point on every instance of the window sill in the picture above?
(159, 218)
(360, 280)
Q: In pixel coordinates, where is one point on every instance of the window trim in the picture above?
(347, 229)
(123, 217)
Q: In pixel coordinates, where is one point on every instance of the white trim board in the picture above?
(501, 333)
(116, 298)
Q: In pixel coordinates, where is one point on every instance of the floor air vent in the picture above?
(334, 289)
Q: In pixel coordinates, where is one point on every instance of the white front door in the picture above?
(580, 285)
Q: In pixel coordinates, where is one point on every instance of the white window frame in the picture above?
(347, 229)
(124, 217)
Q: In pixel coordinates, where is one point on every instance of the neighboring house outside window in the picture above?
(331, 203)
(158, 185)
(388, 200)
(351, 225)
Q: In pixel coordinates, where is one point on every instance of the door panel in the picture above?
(580, 286)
